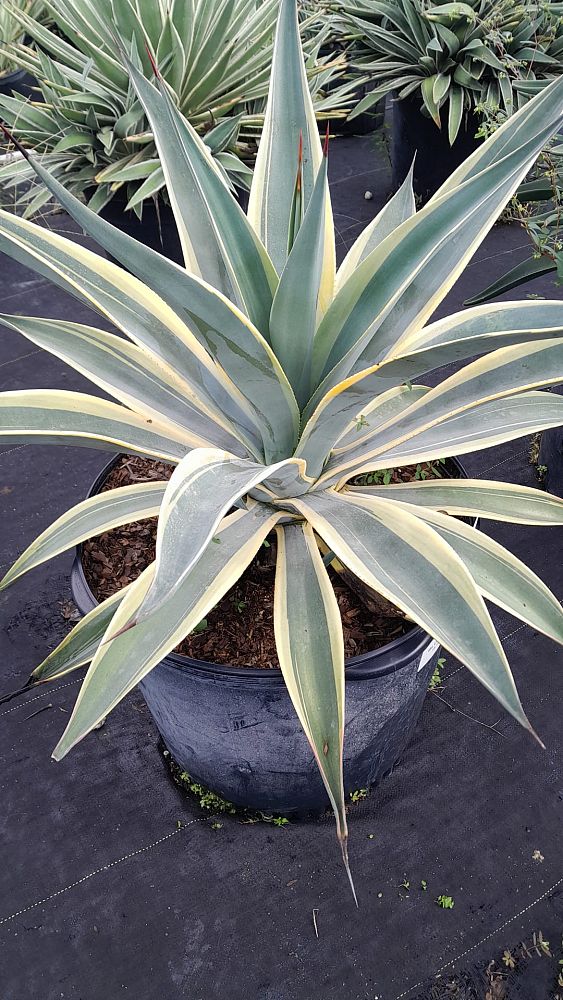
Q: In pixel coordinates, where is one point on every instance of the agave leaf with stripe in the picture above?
(218, 325)
(54, 416)
(132, 375)
(91, 517)
(475, 389)
(298, 293)
(475, 498)
(135, 309)
(398, 209)
(311, 651)
(120, 664)
(81, 643)
(227, 254)
(500, 576)
(203, 488)
(289, 115)
(399, 556)
(392, 292)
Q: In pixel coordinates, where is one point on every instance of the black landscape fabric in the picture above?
(113, 883)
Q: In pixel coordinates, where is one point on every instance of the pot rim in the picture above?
(385, 659)
(14, 75)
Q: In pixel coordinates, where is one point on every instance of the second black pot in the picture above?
(19, 82)
(157, 228)
(418, 137)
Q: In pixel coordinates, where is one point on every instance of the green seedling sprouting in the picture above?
(423, 884)
(446, 902)
(362, 422)
(358, 794)
(216, 826)
(207, 799)
(436, 679)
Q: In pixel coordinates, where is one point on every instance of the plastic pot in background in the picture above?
(19, 82)
(234, 729)
(414, 133)
(157, 228)
(366, 123)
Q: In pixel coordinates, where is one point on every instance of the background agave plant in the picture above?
(11, 30)
(272, 381)
(91, 131)
(455, 56)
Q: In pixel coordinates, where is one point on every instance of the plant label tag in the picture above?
(428, 654)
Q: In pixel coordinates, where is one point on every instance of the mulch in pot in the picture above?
(240, 629)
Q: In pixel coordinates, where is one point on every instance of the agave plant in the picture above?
(11, 31)
(272, 382)
(91, 131)
(453, 55)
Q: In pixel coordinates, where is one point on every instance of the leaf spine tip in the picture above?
(120, 632)
(152, 61)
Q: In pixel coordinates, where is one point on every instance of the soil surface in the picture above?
(240, 629)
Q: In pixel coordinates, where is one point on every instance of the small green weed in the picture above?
(436, 679)
(446, 902)
(358, 794)
(207, 799)
(214, 803)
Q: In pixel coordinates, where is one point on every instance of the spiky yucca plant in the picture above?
(90, 128)
(271, 382)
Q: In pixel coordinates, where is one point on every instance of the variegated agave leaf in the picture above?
(271, 382)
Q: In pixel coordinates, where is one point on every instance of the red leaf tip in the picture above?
(11, 138)
(327, 140)
(155, 68)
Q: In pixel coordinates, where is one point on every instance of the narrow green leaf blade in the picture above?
(50, 416)
(289, 114)
(310, 648)
(201, 491)
(218, 325)
(80, 645)
(85, 520)
(293, 320)
(219, 243)
(500, 576)
(399, 556)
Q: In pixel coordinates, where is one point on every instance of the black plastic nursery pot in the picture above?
(365, 123)
(18, 82)
(234, 729)
(417, 137)
(157, 228)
